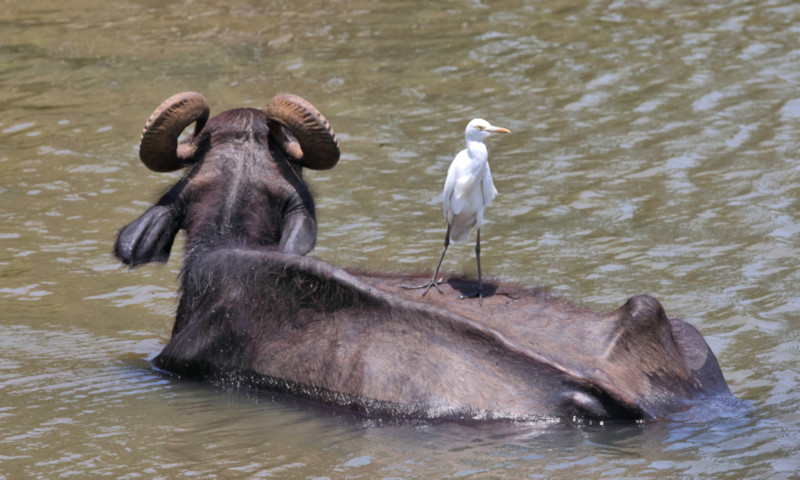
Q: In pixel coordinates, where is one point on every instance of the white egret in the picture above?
(468, 190)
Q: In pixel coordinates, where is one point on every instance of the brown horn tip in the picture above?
(158, 148)
(312, 143)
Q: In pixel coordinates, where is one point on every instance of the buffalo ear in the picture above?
(148, 238)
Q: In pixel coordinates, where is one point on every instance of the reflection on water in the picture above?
(654, 149)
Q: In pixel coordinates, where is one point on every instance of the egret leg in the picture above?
(433, 282)
(480, 278)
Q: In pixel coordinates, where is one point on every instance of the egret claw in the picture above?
(427, 286)
(478, 294)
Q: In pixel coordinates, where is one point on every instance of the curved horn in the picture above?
(312, 143)
(159, 149)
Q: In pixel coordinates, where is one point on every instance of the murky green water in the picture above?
(654, 149)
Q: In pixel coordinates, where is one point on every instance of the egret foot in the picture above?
(427, 286)
(433, 283)
(478, 294)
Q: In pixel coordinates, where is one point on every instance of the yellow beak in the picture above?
(498, 130)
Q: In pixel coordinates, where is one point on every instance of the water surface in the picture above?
(654, 150)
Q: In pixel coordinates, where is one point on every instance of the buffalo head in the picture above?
(245, 184)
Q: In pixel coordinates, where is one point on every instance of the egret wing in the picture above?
(451, 201)
(487, 188)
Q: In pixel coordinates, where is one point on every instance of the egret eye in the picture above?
(480, 127)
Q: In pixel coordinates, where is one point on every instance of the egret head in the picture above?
(478, 129)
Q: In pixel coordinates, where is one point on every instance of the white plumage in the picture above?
(468, 190)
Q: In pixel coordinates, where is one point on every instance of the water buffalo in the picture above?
(255, 310)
